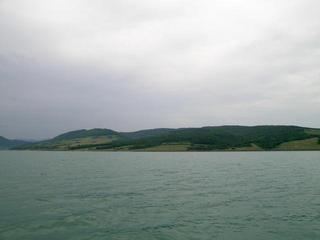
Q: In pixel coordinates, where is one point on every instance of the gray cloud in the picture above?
(128, 65)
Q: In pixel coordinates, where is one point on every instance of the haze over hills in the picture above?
(221, 138)
(11, 143)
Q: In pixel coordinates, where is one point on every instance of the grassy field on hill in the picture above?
(307, 144)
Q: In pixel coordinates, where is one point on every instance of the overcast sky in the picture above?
(128, 65)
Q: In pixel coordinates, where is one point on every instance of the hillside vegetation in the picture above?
(222, 138)
(306, 144)
(8, 143)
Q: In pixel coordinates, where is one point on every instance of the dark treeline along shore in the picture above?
(221, 138)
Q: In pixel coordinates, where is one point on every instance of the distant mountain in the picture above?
(8, 143)
(221, 138)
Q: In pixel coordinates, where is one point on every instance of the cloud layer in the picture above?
(128, 65)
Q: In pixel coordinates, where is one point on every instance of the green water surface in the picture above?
(105, 195)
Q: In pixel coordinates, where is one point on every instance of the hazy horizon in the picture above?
(126, 66)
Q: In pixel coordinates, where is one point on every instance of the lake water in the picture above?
(104, 195)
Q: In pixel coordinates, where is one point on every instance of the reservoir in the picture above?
(146, 196)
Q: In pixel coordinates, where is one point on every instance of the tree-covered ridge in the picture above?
(219, 138)
(86, 133)
(9, 143)
(188, 139)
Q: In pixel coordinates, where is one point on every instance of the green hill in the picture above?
(147, 133)
(96, 132)
(230, 138)
(78, 138)
(8, 143)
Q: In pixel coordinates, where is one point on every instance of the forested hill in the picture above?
(8, 143)
(228, 138)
